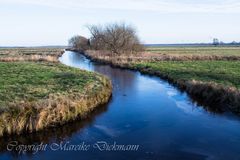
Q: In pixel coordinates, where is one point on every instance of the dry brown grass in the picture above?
(30, 58)
(154, 57)
(30, 54)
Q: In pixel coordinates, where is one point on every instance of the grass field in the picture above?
(24, 81)
(226, 73)
(220, 71)
(36, 95)
(196, 50)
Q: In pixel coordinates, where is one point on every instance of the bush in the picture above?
(79, 43)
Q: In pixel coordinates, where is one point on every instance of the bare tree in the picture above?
(117, 38)
(97, 39)
(79, 43)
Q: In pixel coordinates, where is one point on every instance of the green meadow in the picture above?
(29, 82)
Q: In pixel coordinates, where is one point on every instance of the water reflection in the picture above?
(123, 82)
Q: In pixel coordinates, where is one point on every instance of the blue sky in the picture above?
(53, 22)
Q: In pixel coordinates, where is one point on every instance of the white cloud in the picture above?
(172, 6)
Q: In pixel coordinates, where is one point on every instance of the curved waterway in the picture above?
(146, 116)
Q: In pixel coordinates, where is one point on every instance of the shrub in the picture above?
(79, 43)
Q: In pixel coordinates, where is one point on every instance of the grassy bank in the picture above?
(214, 83)
(30, 54)
(34, 96)
(226, 73)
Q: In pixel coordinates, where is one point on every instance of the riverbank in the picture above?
(39, 95)
(217, 92)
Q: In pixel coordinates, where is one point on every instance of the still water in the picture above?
(144, 111)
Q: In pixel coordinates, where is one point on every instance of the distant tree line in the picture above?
(117, 37)
(216, 42)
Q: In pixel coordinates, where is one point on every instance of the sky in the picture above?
(53, 22)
